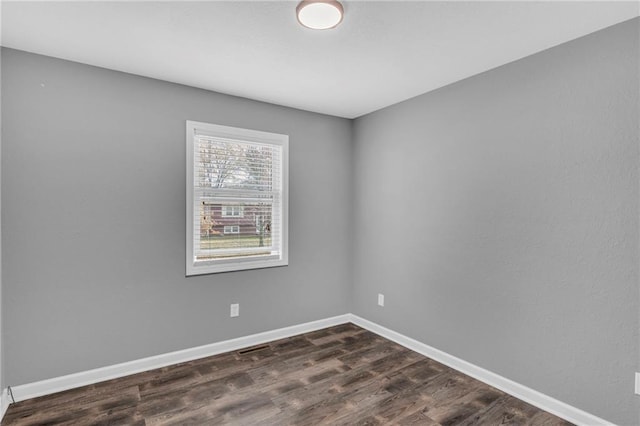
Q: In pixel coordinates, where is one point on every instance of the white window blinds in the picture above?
(237, 198)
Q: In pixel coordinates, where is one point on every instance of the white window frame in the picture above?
(231, 229)
(210, 266)
(234, 209)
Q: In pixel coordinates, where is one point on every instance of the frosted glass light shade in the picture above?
(319, 14)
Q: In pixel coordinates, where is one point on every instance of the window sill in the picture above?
(204, 267)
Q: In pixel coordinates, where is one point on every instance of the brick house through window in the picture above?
(234, 219)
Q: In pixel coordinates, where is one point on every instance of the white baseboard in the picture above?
(540, 400)
(58, 384)
(4, 402)
(533, 397)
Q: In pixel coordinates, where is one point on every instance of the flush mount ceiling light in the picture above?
(320, 14)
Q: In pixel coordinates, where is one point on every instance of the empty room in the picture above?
(320, 212)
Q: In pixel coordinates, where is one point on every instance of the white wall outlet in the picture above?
(235, 310)
(637, 383)
(380, 299)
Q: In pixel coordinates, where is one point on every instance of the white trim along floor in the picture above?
(531, 396)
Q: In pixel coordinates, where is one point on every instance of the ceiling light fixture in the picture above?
(320, 14)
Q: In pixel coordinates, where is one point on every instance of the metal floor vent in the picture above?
(252, 349)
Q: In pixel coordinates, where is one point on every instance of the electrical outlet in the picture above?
(637, 383)
(380, 299)
(235, 310)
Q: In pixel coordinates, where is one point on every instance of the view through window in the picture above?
(238, 198)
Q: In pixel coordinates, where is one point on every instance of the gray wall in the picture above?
(93, 198)
(2, 381)
(499, 216)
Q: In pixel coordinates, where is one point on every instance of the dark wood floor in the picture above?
(342, 375)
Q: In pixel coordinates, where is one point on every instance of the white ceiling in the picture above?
(382, 53)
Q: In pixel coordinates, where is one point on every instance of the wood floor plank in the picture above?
(341, 375)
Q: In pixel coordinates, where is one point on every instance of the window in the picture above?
(237, 198)
(233, 229)
(230, 211)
